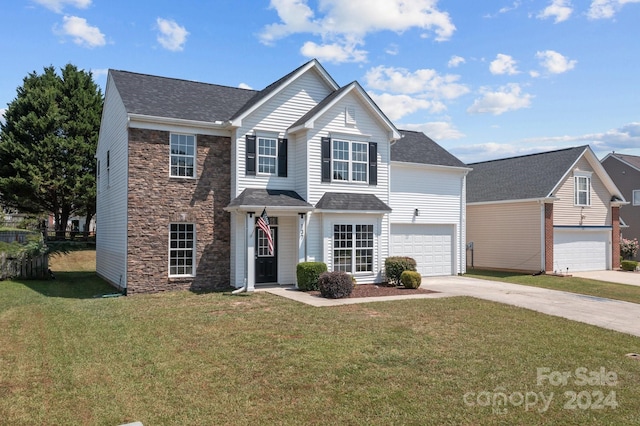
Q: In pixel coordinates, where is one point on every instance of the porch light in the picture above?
(416, 212)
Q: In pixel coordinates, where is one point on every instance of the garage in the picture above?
(430, 245)
(581, 249)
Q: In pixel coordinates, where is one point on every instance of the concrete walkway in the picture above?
(606, 313)
(620, 277)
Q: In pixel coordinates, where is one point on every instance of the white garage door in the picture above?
(581, 250)
(430, 245)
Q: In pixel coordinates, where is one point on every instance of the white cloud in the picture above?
(244, 86)
(507, 98)
(172, 36)
(455, 61)
(436, 130)
(397, 106)
(58, 5)
(333, 52)
(554, 62)
(559, 9)
(503, 64)
(99, 72)
(347, 23)
(534, 74)
(81, 32)
(515, 5)
(423, 81)
(2, 112)
(392, 50)
(625, 137)
(603, 9)
(493, 151)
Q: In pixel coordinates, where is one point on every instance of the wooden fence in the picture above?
(36, 267)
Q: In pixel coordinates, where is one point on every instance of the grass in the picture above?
(629, 293)
(212, 358)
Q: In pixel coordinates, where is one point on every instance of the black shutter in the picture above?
(326, 159)
(251, 155)
(373, 163)
(282, 157)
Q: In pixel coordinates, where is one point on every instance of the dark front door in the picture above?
(266, 263)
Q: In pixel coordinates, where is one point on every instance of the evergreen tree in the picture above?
(48, 143)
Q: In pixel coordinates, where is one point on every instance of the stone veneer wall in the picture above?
(155, 200)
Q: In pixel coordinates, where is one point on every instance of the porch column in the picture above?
(250, 260)
(615, 237)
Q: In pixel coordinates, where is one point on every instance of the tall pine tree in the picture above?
(48, 143)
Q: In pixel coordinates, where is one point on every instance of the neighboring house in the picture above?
(185, 169)
(625, 171)
(555, 211)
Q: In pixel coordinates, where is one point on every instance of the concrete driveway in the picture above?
(620, 277)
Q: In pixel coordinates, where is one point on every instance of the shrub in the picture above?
(396, 265)
(628, 265)
(335, 285)
(308, 273)
(410, 279)
(629, 248)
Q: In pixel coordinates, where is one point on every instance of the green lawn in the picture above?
(629, 293)
(212, 358)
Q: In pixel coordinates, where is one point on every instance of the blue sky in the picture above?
(485, 79)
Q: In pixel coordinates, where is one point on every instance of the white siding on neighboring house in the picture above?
(111, 224)
(506, 235)
(565, 212)
(287, 249)
(438, 195)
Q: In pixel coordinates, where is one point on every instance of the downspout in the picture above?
(245, 287)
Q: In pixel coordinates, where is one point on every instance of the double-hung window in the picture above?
(350, 160)
(267, 155)
(636, 197)
(183, 155)
(353, 248)
(182, 249)
(582, 189)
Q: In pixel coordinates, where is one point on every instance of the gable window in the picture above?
(182, 249)
(582, 189)
(271, 155)
(183, 155)
(636, 197)
(353, 248)
(350, 161)
(267, 158)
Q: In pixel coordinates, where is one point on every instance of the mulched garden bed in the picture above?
(373, 290)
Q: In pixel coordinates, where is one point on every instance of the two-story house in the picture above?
(624, 169)
(185, 169)
(555, 211)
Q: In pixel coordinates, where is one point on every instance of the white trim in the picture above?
(526, 200)
(142, 118)
(195, 156)
(577, 177)
(440, 167)
(193, 251)
(633, 197)
(623, 161)
(360, 212)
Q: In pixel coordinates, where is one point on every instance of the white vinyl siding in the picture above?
(439, 196)
(506, 235)
(111, 224)
(566, 212)
(287, 249)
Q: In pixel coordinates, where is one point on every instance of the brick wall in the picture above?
(155, 200)
(615, 237)
(548, 237)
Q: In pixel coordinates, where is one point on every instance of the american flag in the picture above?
(263, 223)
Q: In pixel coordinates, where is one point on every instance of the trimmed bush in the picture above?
(396, 265)
(410, 279)
(308, 273)
(628, 265)
(335, 285)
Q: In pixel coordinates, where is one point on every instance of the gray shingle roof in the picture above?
(355, 202)
(520, 178)
(174, 98)
(268, 198)
(416, 147)
(634, 160)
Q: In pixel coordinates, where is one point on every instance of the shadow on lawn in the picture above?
(72, 285)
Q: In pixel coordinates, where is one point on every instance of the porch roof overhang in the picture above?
(342, 202)
(254, 199)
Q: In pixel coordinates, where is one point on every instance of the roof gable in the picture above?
(307, 121)
(276, 87)
(630, 160)
(182, 99)
(416, 147)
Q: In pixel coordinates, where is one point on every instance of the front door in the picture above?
(266, 263)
